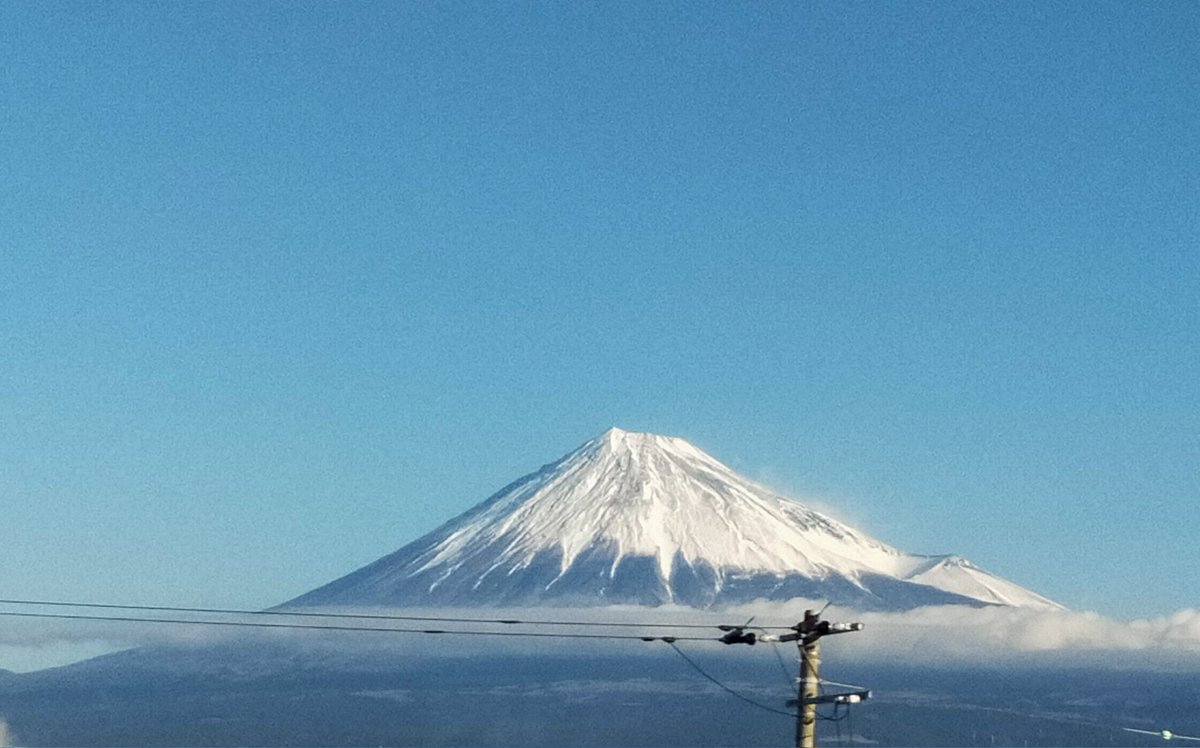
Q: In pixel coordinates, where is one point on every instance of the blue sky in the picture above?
(284, 286)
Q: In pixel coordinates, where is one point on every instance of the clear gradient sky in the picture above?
(283, 286)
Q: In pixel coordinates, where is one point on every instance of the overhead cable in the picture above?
(369, 616)
(727, 689)
(336, 627)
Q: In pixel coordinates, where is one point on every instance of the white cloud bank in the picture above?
(961, 635)
(949, 635)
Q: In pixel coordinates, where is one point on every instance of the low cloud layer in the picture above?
(961, 635)
(950, 635)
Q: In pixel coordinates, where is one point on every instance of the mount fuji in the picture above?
(643, 519)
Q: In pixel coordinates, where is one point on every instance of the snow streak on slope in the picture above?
(641, 518)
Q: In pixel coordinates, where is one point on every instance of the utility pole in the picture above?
(806, 689)
(807, 636)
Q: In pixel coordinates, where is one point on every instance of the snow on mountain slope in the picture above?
(647, 519)
(956, 574)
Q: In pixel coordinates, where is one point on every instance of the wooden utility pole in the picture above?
(807, 636)
(808, 640)
(807, 692)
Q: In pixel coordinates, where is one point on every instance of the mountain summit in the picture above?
(646, 519)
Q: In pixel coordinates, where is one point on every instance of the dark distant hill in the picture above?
(286, 695)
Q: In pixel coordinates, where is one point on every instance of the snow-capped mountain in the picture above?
(647, 519)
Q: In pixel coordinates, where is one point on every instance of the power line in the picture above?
(276, 625)
(670, 640)
(335, 627)
(1164, 734)
(787, 676)
(369, 616)
(727, 689)
(842, 685)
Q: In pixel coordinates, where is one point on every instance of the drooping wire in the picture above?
(368, 616)
(837, 707)
(727, 689)
(788, 678)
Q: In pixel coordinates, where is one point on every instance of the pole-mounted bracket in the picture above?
(853, 697)
(813, 628)
(739, 636)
